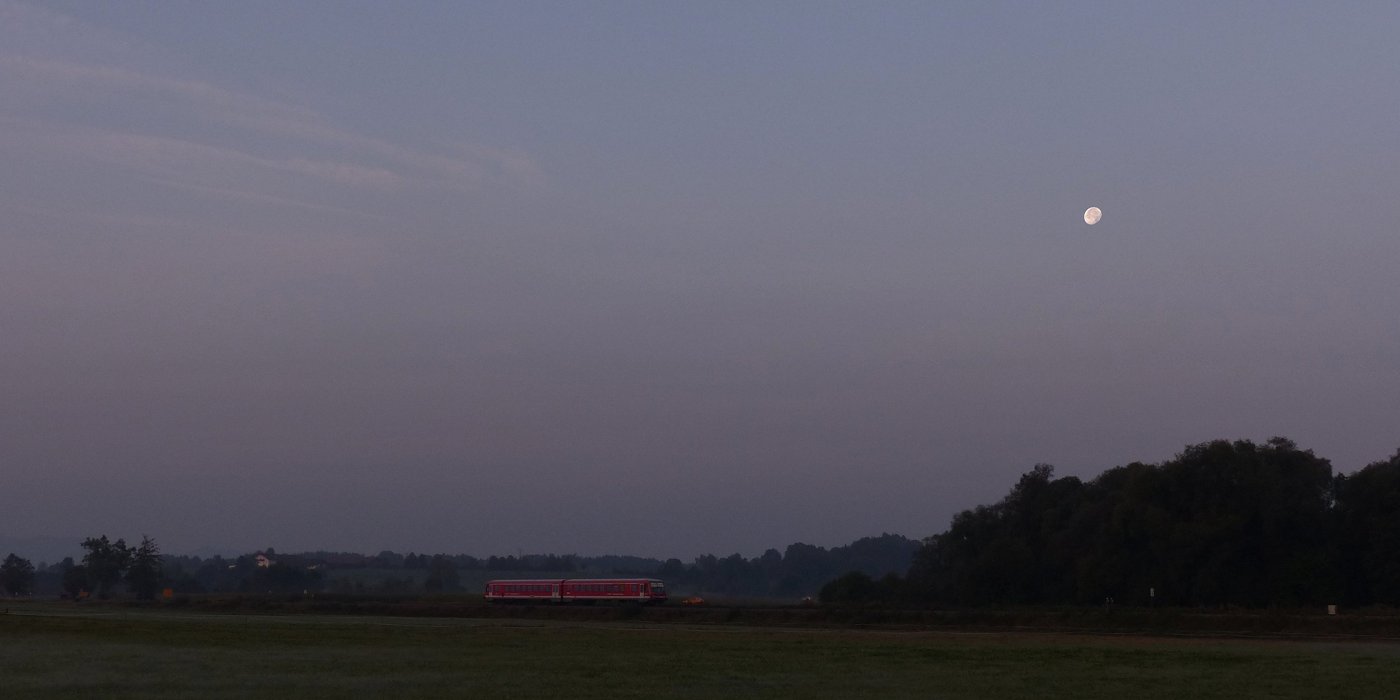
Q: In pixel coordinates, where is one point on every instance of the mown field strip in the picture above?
(52, 651)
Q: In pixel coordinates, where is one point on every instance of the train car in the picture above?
(641, 590)
(576, 590)
(524, 591)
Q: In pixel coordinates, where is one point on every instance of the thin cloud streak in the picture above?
(56, 81)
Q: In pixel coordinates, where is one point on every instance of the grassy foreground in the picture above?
(113, 653)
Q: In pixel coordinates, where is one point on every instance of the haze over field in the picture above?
(667, 279)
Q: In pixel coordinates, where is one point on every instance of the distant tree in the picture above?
(672, 570)
(17, 575)
(1366, 516)
(804, 569)
(442, 575)
(180, 573)
(768, 568)
(466, 561)
(75, 580)
(854, 587)
(388, 560)
(106, 562)
(144, 570)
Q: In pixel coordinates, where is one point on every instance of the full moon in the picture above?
(1092, 215)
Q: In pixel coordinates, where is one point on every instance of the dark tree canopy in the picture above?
(75, 580)
(17, 575)
(105, 562)
(1223, 523)
(1367, 526)
(442, 575)
(144, 571)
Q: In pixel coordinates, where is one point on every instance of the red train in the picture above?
(582, 590)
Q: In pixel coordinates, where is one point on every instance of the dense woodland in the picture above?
(1221, 524)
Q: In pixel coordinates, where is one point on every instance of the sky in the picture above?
(667, 278)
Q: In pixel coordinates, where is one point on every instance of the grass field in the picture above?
(64, 651)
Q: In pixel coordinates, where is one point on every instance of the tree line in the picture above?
(799, 570)
(1221, 524)
(104, 566)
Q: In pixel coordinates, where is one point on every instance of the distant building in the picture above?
(262, 561)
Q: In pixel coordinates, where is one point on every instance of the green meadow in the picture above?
(65, 652)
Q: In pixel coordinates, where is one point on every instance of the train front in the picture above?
(656, 591)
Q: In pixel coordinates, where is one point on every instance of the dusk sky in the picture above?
(668, 278)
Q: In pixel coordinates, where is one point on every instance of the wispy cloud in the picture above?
(211, 171)
(193, 131)
(380, 163)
